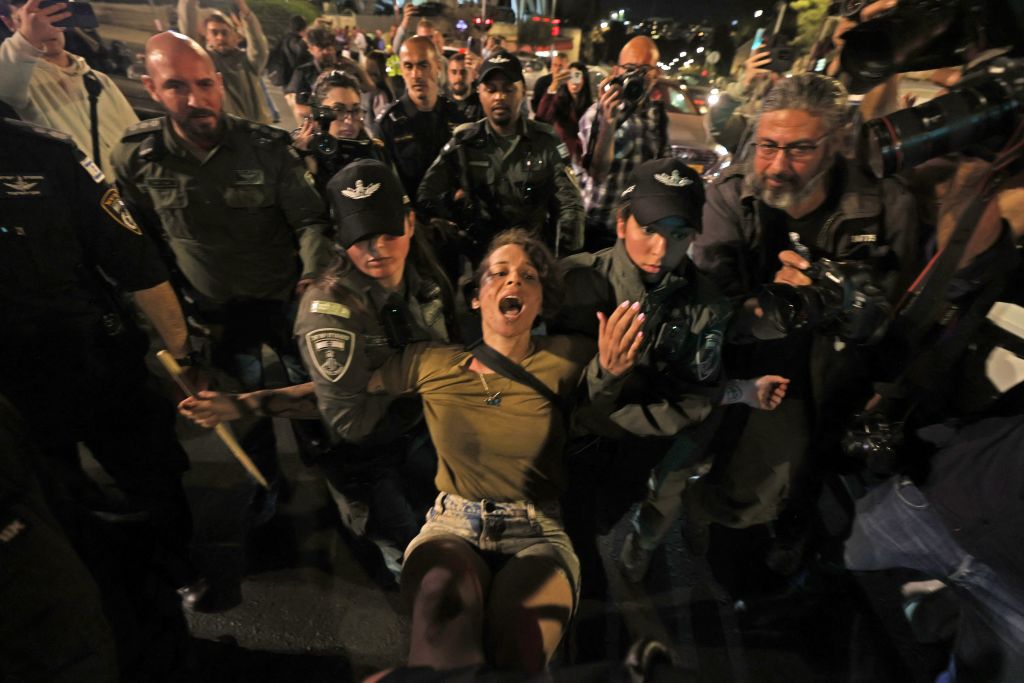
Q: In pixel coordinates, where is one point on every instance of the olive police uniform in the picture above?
(243, 222)
(523, 180)
(664, 406)
(412, 138)
(470, 106)
(381, 468)
(70, 359)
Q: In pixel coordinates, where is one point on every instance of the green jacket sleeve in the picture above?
(571, 216)
(305, 212)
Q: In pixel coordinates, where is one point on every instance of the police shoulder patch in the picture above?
(330, 308)
(143, 128)
(115, 208)
(330, 351)
(563, 151)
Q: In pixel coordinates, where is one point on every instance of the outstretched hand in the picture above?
(619, 338)
(210, 408)
(37, 25)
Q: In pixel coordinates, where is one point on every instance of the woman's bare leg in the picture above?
(446, 581)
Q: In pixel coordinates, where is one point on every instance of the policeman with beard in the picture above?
(239, 214)
(419, 123)
(798, 194)
(504, 171)
(460, 84)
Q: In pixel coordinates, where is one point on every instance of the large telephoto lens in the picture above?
(979, 112)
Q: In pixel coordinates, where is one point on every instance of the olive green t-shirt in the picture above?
(511, 451)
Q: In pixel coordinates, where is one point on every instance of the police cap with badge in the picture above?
(504, 63)
(368, 199)
(666, 190)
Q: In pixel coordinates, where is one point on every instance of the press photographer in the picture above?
(952, 422)
(797, 193)
(332, 135)
(624, 128)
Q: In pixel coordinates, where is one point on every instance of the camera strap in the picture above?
(94, 87)
(517, 373)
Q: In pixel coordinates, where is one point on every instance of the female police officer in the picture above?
(382, 292)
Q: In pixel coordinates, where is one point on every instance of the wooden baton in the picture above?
(223, 431)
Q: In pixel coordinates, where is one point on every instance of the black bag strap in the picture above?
(514, 371)
(94, 87)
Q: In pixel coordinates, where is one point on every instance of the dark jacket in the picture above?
(874, 221)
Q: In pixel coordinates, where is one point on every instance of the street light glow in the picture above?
(700, 49)
(758, 13)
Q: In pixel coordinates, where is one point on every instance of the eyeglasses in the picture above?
(796, 151)
(341, 113)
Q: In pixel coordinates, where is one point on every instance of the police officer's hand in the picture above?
(792, 270)
(619, 338)
(770, 390)
(37, 25)
(210, 408)
(610, 100)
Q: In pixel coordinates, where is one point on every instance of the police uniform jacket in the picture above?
(413, 138)
(61, 223)
(234, 220)
(525, 181)
(677, 378)
(347, 329)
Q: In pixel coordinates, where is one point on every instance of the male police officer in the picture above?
(420, 122)
(235, 206)
(664, 404)
(506, 170)
(70, 359)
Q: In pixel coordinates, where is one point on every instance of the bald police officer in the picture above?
(419, 123)
(504, 171)
(239, 214)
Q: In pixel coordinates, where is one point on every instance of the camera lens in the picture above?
(980, 111)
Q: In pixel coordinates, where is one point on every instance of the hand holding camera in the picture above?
(610, 100)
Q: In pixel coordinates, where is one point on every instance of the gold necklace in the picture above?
(492, 399)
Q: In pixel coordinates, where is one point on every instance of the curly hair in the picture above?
(548, 268)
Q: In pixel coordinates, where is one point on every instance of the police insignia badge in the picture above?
(331, 351)
(330, 308)
(92, 169)
(674, 180)
(361, 191)
(116, 209)
(709, 356)
(498, 59)
(563, 150)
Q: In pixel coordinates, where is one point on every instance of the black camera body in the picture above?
(842, 299)
(633, 84)
(875, 440)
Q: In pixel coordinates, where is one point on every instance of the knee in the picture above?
(444, 594)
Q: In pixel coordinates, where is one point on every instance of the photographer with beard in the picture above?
(796, 193)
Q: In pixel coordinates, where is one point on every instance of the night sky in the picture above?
(687, 10)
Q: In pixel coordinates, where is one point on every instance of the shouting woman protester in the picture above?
(492, 576)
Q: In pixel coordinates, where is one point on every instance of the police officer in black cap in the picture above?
(71, 358)
(664, 404)
(504, 171)
(383, 291)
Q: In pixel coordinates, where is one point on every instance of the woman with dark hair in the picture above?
(565, 101)
(334, 134)
(377, 99)
(492, 576)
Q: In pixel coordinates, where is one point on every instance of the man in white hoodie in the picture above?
(46, 84)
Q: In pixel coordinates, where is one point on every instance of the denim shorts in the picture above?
(507, 528)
